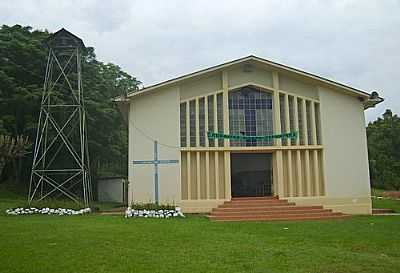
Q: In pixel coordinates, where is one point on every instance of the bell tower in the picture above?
(61, 157)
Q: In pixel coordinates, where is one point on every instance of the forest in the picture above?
(22, 69)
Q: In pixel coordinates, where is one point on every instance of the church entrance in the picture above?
(251, 174)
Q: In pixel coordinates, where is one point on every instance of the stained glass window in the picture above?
(211, 142)
(291, 117)
(202, 125)
(220, 117)
(318, 123)
(300, 120)
(283, 116)
(192, 118)
(309, 125)
(183, 124)
(250, 114)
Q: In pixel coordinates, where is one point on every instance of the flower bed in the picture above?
(48, 211)
(161, 213)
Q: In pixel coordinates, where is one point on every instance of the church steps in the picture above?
(270, 218)
(269, 212)
(258, 201)
(266, 208)
(269, 209)
(255, 204)
(255, 198)
(288, 215)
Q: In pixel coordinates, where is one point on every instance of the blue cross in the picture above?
(156, 162)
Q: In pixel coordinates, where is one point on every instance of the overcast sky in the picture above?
(353, 42)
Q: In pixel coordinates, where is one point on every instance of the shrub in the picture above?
(152, 206)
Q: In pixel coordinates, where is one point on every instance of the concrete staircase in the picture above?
(269, 209)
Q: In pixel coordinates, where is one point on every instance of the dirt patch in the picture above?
(381, 211)
(117, 209)
(391, 194)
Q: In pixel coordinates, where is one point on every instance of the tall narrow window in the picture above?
(192, 116)
(300, 120)
(182, 114)
(309, 124)
(202, 124)
(220, 117)
(291, 117)
(318, 123)
(283, 117)
(211, 142)
(250, 114)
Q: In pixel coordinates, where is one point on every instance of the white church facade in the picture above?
(213, 130)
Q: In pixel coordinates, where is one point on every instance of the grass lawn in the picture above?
(384, 203)
(113, 244)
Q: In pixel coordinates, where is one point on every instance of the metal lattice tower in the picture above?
(61, 158)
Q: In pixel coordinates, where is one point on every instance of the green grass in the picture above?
(384, 203)
(376, 192)
(93, 243)
(13, 199)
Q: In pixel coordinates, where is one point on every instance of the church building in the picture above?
(248, 128)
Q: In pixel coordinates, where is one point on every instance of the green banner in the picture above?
(213, 135)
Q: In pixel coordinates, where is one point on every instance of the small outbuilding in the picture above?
(112, 189)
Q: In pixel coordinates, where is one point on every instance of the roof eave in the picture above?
(187, 76)
(250, 58)
(372, 102)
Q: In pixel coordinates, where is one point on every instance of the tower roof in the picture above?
(64, 38)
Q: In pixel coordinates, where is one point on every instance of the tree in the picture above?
(22, 66)
(384, 151)
(108, 146)
(12, 148)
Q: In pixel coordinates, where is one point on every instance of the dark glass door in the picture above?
(251, 174)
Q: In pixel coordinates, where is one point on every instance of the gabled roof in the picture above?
(55, 38)
(256, 59)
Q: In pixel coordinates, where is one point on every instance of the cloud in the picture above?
(354, 42)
